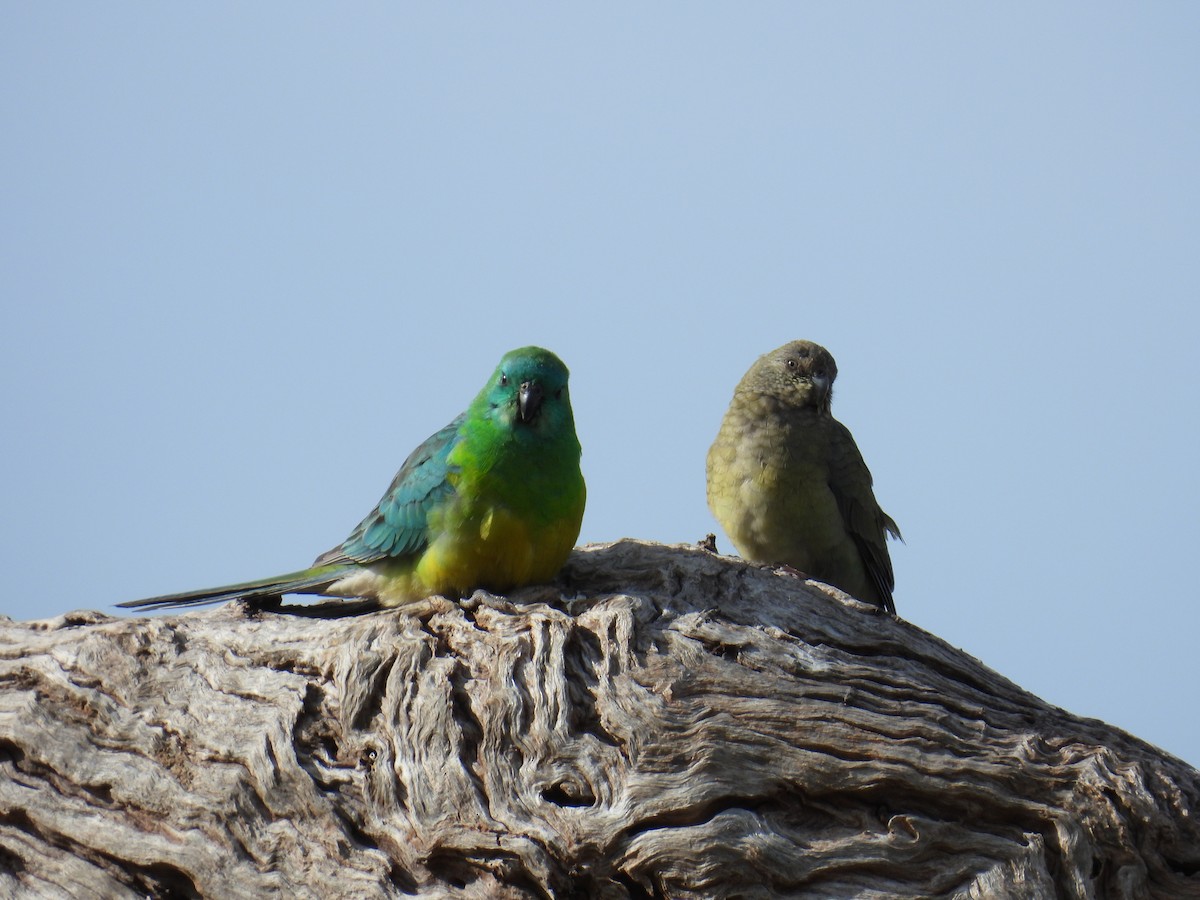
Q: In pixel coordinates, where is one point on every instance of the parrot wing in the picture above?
(868, 525)
(398, 526)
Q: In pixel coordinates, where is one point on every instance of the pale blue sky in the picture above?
(253, 254)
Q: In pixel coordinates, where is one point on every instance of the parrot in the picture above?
(494, 500)
(787, 482)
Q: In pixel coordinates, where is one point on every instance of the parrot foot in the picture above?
(530, 595)
(708, 543)
(790, 571)
(264, 603)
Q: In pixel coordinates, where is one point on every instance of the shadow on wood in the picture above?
(663, 723)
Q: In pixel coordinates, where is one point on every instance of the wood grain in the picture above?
(664, 722)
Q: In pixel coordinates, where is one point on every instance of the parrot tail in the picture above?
(306, 581)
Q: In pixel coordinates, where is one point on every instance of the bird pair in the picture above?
(495, 499)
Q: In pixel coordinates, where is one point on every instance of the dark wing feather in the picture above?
(309, 581)
(868, 525)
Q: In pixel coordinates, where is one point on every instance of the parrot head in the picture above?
(800, 374)
(528, 392)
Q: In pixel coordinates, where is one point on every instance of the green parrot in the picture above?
(788, 484)
(494, 500)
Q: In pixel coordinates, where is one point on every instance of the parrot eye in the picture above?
(558, 394)
(503, 380)
(792, 363)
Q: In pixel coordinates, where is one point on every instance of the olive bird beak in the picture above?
(529, 401)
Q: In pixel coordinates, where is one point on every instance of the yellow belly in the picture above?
(501, 553)
(494, 550)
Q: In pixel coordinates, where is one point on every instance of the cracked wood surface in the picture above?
(663, 722)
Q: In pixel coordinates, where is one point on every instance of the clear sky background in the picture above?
(251, 255)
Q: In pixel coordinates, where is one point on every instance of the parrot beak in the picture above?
(529, 401)
(824, 384)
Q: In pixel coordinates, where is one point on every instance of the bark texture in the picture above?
(664, 722)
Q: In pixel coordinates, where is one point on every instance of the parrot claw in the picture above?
(790, 571)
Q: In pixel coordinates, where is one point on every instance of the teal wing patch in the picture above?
(398, 526)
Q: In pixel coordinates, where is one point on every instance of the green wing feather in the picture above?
(399, 524)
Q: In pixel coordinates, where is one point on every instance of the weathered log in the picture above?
(663, 723)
